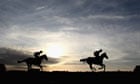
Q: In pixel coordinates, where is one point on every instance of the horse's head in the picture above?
(45, 57)
(105, 55)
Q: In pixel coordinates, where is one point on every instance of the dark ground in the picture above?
(68, 77)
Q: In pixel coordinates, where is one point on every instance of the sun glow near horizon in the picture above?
(55, 51)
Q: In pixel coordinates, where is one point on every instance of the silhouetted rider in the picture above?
(37, 54)
(97, 54)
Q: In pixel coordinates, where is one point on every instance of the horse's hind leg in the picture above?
(29, 67)
(90, 65)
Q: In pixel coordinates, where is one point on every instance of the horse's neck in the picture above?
(41, 58)
(38, 59)
(101, 58)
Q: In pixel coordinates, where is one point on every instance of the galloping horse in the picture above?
(34, 61)
(93, 60)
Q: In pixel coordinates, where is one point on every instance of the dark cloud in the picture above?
(25, 13)
(70, 7)
(10, 56)
(90, 7)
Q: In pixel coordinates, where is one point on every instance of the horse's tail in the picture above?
(19, 61)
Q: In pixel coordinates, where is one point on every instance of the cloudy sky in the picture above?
(67, 30)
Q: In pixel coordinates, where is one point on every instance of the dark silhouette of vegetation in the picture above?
(94, 60)
(34, 61)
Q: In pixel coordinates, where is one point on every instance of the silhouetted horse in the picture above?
(34, 61)
(93, 60)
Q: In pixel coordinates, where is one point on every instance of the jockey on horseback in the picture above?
(37, 54)
(97, 54)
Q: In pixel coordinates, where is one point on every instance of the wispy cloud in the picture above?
(40, 8)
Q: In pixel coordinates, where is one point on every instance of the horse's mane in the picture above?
(103, 54)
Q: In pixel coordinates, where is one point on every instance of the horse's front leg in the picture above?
(103, 67)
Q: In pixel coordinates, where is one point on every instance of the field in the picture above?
(57, 77)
